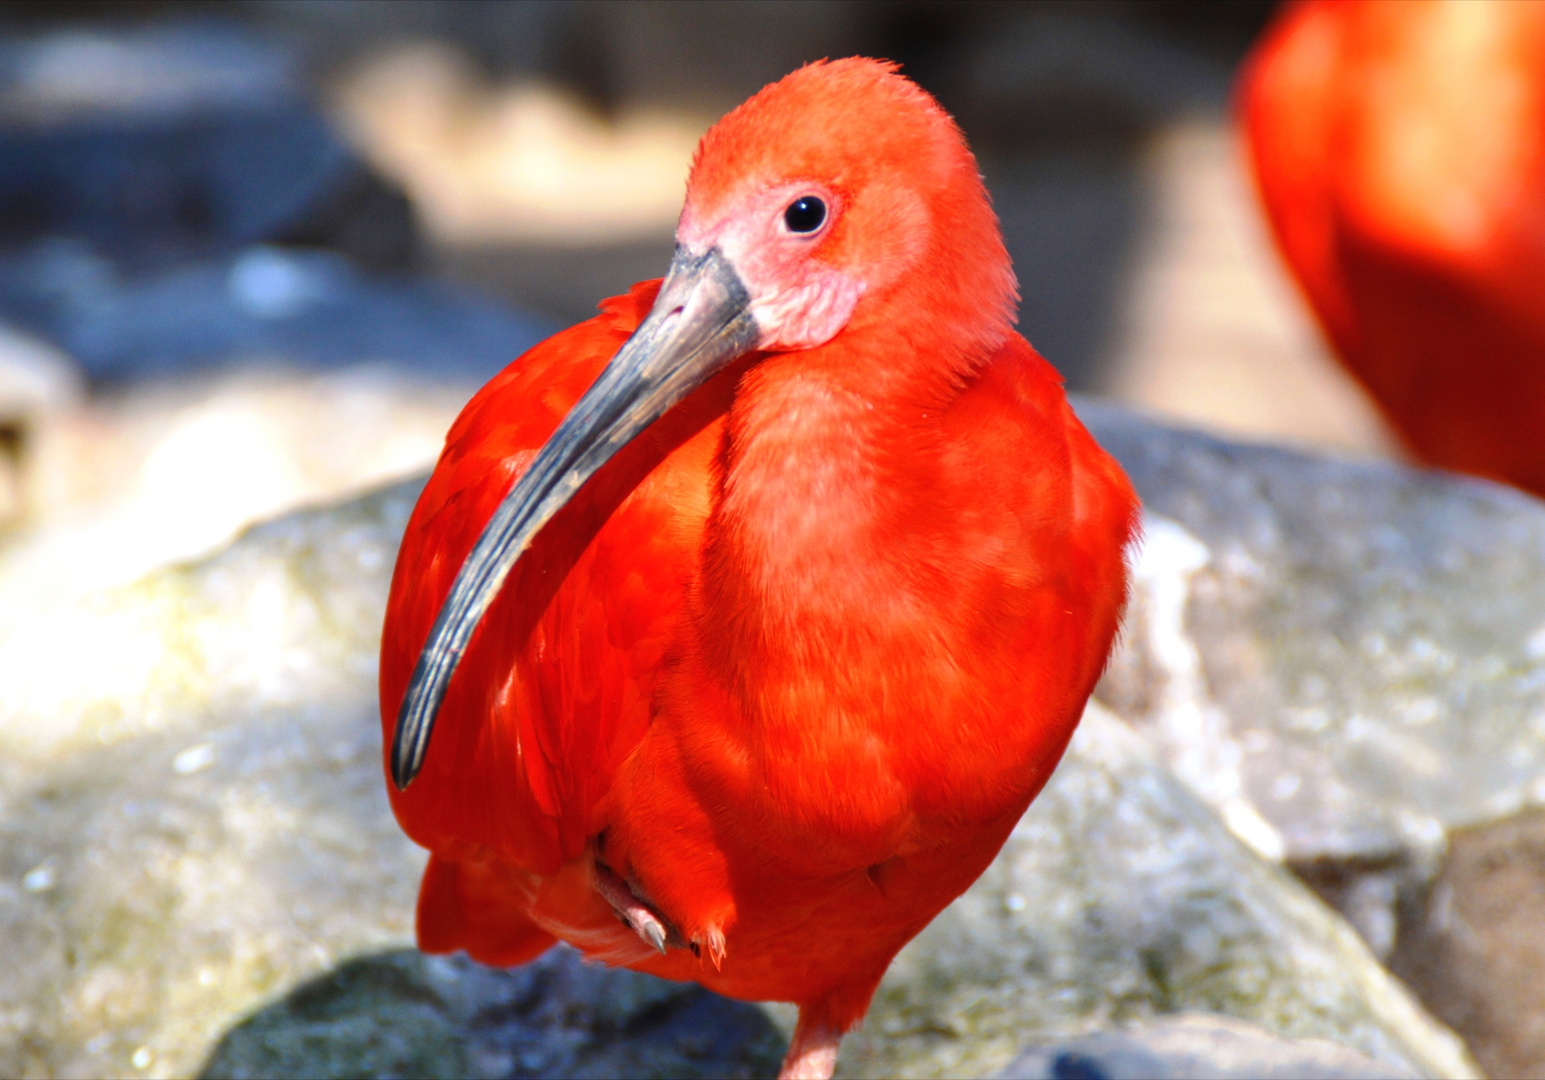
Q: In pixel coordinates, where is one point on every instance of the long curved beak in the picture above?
(700, 322)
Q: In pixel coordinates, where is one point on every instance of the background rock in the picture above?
(192, 818)
(522, 162)
(1117, 898)
(1345, 658)
(122, 485)
(1195, 1047)
(1211, 332)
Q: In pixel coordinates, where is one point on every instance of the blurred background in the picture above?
(256, 254)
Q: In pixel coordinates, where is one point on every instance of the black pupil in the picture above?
(805, 214)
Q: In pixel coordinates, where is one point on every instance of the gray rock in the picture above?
(1120, 897)
(192, 819)
(120, 486)
(1195, 1047)
(193, 832)
(1345, 658)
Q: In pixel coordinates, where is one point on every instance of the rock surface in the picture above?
(1345, 658)
(1120, 897)
(191, 812)
(193, 826)
(1195, 1047)
(1474, 951)
(121, 485)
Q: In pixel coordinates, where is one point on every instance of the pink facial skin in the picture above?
(798, 301)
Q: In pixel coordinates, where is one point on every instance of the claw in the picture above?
(652, 932)
(631, 910)
(716, 947)
(713, 940)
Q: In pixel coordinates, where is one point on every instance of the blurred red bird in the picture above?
(1400, 152)
(749, 616)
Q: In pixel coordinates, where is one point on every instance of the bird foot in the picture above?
(643, 919)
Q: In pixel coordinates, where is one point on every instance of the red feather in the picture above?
(1399, 149)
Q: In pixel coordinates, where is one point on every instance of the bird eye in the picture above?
(805, 214)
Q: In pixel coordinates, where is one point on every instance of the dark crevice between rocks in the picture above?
(1464, 936)
(1472, 947)
(1375, 893)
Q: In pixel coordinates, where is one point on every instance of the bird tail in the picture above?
(469, 905)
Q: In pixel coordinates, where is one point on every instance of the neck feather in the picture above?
(825, 483)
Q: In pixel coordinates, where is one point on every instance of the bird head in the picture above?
(841, 200)
(836, 189)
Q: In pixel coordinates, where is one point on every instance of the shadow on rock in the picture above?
(403, 1014)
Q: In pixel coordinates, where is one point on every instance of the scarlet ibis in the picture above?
(1400, 153)
(749, 616)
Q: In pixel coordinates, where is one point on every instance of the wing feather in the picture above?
(556, 686)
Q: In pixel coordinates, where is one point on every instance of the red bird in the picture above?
(750, 615)
(1400, 152)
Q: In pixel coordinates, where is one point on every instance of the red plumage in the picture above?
(796, 659)
(1399, 149)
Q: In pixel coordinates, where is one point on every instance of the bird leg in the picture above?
(644, 920)
(812, 1052)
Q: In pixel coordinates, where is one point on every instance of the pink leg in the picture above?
(812, 1052)
(630, 909)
